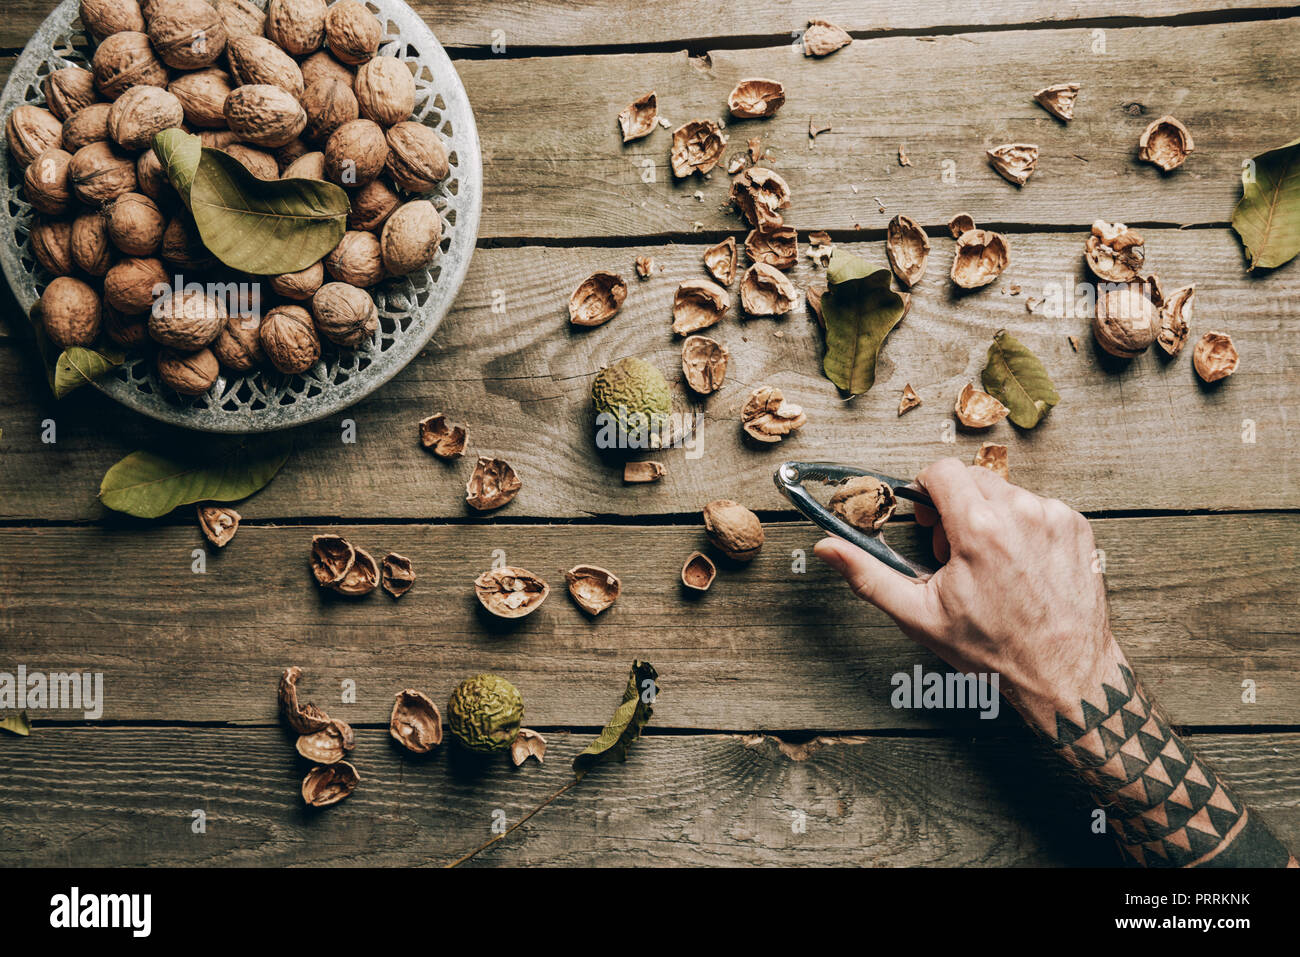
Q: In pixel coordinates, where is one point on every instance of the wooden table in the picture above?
(775, 685)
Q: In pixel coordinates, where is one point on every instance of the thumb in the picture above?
(897, 596)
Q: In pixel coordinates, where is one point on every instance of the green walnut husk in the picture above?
(633, 405)
(485, 713)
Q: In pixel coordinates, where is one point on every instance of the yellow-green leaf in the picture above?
(178, 152)
(77, 366)
(859, 310)
(628, 721)
(1267, 217)
(16, 724)
(1015, 377)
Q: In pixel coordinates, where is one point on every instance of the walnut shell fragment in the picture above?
(329, 745)
(864, 502)
(493, 484)
(361, 579)
(1175, 313)
(510, 592)
(704, 364)
(908, 248)
(635, 473)
(909, 401)
(697, 147)
(638, 118)
(416, 722)
(822, 38)
(1126, 320)
(733, 529)
(720, 261)
(994, 458)
(759, 194)
(962, 222)
(442, 438)
(596, 300)
(593, 588)
(1059, 100)
(219, 523)
(697, 305)
(1215, 357)
(332, 557)
(980, 258)
(645, 265)
(397, 574)
(756, 99)
(766, 291)
(1015, 162)
(766, 416)
(698, 572)
(305, 719)
(528, 744)
(979, 410)
(1165, 143)
(1114, 252)
(777, 246)
(329, 784)
(814, 295)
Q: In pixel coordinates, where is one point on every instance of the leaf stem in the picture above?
(488, 843)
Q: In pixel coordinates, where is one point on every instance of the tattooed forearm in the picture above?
(1165, 806)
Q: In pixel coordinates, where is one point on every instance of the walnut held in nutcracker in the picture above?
(329, 784)
(409, 241)
(352, 32)
(188, 321)
(187, 34)
(593, 588)
(300, 285)
(135, 224)
(698, 572)
(70, 312)
(510, 592)
(355, 153)
(704, 364)
(697, 147)
(46, 182)
(822, 38)
(638, 118)
(361, 579)
(765, 291)
(1126, 320)
(397, 574)
(52, 245)
(766, 416)
(698, 304)
(1114, 252)
(442, 438)
(864, 502)
(125, 60)
(979, 410)
(720, 261)
(759, 194)
(372, 204)
(218, 523)
(385, 89)
(417, 159)
(289, 339)
(188, 373)
(130, 283)
(641, 473)
(329, 104)
(69, 90)
(298, 26)
(86, 126)
(257, 61)
(239, 345)
(332, 557)
(31, 131)
(756, 99)
(1175, 314)
(100, 173)
(596, 300)
(264, 115)
(777, 246)
(493, 484)
(1215, 357)
(416, 723)
(357, 259)
(345, 315)
(994, 458)
(202, 96)
(103, 18)
(1165, 143)
(981, 257)
(1015, 162)
(733, 529)
(1059, 100)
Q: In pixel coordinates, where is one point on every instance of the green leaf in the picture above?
(625, 727)
(179, 153)
(77, 366)
(264, 227)
(1267, 217)
(859, 310)
(16, 724)
(147, 485)
(1015, 377)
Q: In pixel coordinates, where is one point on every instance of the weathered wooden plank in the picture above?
(1141, 435)
(1200, 603)
(127, 796)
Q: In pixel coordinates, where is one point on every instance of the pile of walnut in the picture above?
(296, 93)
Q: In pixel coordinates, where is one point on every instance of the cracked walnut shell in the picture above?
(759, 194)
(493, 484)
(637, 473)
(597, 299)
(1215, 357)
(1114, 252)
(443, 439)
(329, 784)
(756, 99)
(1015, 162)
(593, 588)
(329, 745)
(332, 557)
(305, 719)
(510, 592)
(822, 38)
(979, 410)
(768, 418)
(416, 722)
(1165, 143)
(1059, 100)
(362, 578)
(994, 458)
(777, 246)
(697, 147)
(698, 572)
(864, 502)
(396, 574)
(909, 401)
(698, 304)
(720, 261)
(766, 291)
(908, 248)
(980, 258)
(1175, 313)
(528, 744)
(733, 529)
(638, 118)
(704, 364)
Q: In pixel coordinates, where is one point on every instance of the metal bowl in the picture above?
(410, 308)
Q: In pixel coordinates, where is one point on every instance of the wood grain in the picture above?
(1145, 434)
(126, 797)
(1199, 603)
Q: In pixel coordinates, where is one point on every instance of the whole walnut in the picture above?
(70, 311)
(202, 95)
(31, 131)
(188, 373)
(86, 126)
(243, 18)
(103, 18)
(410, 237)
(300, 285)
(182, 246)
(290, 151)
(46, 183)
(345, 315)
(321, 66)
(239, 346)
(92, 250)
(264, 115)
(296, 25)
(307, 166)
(356, 259)
(153, 182)
(140, 113)
(135, 224)
(385, 89)
(372, 204)
(733, 529)
(187, 34)
(329, 104)
(129, 284)
(52, 245)
(352, 32)
(355, 153)
(417, 160)
(129, 332)
(101, 173)
(289, 339)
(218, 139)
(256, 60)
(188, 321)
(125, 60)
(68, 90)
(258, 162)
